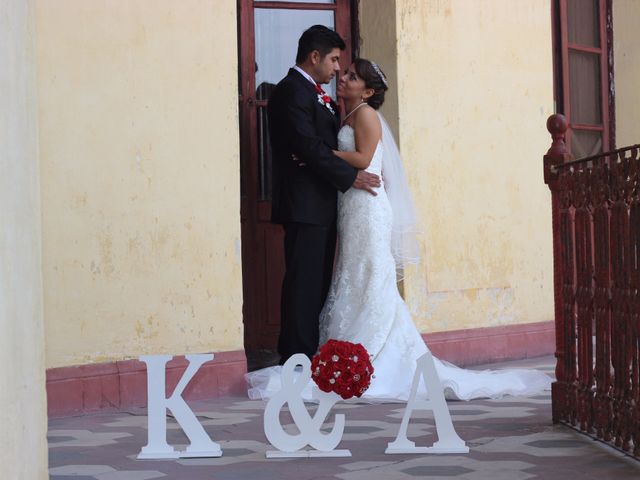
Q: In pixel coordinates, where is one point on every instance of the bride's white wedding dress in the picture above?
(364, 306)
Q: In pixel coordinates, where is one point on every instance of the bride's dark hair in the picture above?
(374, 78)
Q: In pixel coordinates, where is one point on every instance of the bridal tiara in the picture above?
(380, 74)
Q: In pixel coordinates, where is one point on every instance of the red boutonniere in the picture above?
(323, 98)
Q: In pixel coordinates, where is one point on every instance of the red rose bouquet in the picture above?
(343, 368)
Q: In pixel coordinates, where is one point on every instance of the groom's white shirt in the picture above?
(305, 74)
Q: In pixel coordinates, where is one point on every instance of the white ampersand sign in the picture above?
(290, 445)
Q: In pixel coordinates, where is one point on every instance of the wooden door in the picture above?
(268, 35)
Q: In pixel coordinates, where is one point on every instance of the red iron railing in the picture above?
(596, 252)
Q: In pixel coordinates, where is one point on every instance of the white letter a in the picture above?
(448, 439)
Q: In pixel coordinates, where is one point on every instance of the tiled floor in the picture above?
(509, 439)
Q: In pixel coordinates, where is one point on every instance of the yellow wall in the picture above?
(474, 88)
(626, 54)
(23, 447)
(140, 178)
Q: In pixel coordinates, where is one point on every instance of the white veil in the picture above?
(404, 242)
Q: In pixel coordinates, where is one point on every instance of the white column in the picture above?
(23, 416)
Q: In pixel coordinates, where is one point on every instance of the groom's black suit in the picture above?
(305, 202)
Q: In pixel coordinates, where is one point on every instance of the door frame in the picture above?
(253, 211)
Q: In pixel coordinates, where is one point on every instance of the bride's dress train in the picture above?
(364, 306)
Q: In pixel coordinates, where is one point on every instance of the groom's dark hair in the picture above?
(318, 38)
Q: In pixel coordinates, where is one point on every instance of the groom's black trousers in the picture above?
(309, 251)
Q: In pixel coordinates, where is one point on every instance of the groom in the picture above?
(304, 122)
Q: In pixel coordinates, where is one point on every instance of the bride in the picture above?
(377, 238)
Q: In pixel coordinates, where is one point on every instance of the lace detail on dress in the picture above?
(364, 265)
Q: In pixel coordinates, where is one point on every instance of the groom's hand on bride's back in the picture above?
(367, 181)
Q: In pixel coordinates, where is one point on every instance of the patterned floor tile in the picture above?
(552, 443)
(84, 438)
(442, 467)
(365, 465)
(131, 475)
(472, 413)
(102, 472)
(234, 452)
(86, 470)
(74, 477)
(436, 471)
